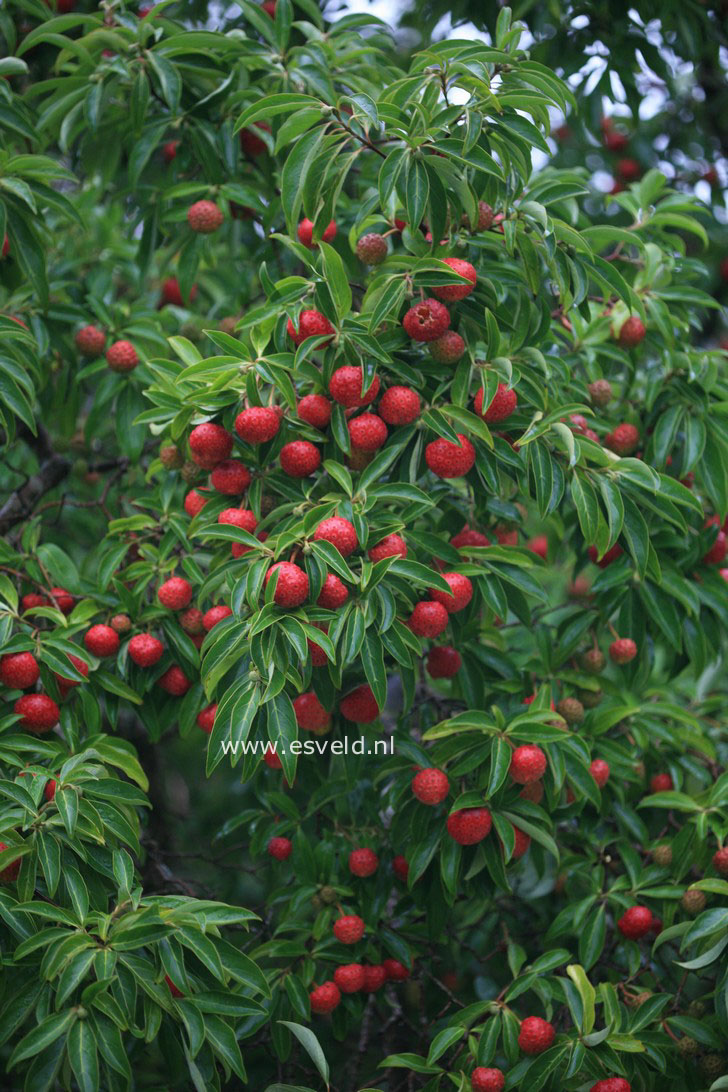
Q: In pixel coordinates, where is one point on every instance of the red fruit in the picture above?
(145, 650)
(612, 1084)
(349, 928)
(528, 763)
(299, 459)
(101, 641)
(426, 321)
(310, 713)
(532, 792)
(215, 615)
(458, 291)
(449, 460)
(610, 556)
(430, 786)
(523, 842)
(316, 653)
(310, 324)
(350, 977)
(631, 332)
(487, 1080)
(628, 169)
(251, 143)
(395, 971)
(345, 387)
(536, 1035)
(305, 233)
(622, 650)
(271, 759)
(359, 705)
(372, 249)
(170, 984)
(204, 217)
(390, 546)
(461, 592)
(239, 517)
(258, 424)
(169, 150)
(19, 670)
(122, 357)
(50, 789)
(635, 922)
(339, 532)
(661, 782)
(399, 406)
(333, 594)
(448, 349)
(90, 341)
(503, 405)
(428, 619)
(121, 623)
(280, 848)
(292, 587)
(443, 661)
(210, 444)
(172, 293)
(65, 684)
(38, 713)
(368, 432)
(623, 440)
(194, 502)
(469, 537)
(5, 248)
(363, 862)
(28, 602)
(600, 771)
(374, 978)
(718, 550)
(539, 546)
(468, 826)
(720, 861)
(230, 477)
(324, 998)
(175, 593)
(174, 681)
(9, 874)
(206, 718)
(401, 868)
(315, 409)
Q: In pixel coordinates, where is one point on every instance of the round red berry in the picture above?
(359, 705)
(599, 769)
(443, 662)
(448, 349)
(175, 593)
(461, 592)
(469, 825)
(632, 332)
(430, 786)
(503, 404)
(457, 291)
(720, 861)
(612, 1084)
(272, 760)
(324, 998)
(372, 249)
(292, 587)
(349, 929)
(636, 922)
(230, 477)
(172, 293)
(391, 546)
(251, 143)
(145, 650)
(280, 848)
(310, 324)
(174, 681)
(210, 444)
(536, 1035)
(90, 341)
(622, 650)
(399, 406)
(449, 460)
(194, 502)
(257, 424)
(623, 440)
(333, 594)
(310, 713)
(522, 843)
(374, 977)
(340, 533)
(345, 387)
(661, 782)
(395, 971)
(19, 670)
(350, 977)
(206, 718)
(101, 641)
(426, 321)
(204, 217)
(299, 459)
(401, 868)
(315, 409)
(38, 713)
(485, 1079)
(528, 763)
(363, 862)
(305, 233)
(428, 619)
(65, 684)
(122, 357)
(469, 537)
(215, 615)
(368, 432)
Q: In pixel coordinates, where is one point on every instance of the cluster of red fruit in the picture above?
(355, 978)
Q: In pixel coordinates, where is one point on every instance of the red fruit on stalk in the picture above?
(391, 546)
(399, 406)
(359, 705)
(720, 861)
(428, 619)
(169, 150)
(280, 848)
(374, 977)
(612, 1084)
(206, 718)
(448, 349)
(292, 587)
(635, 922)
(230, 477)
(172, 293)
(333, 594)
(469, 825)
(426, 321)
(401, 868)
(38, 713)
(449, 460)
(19, 670)
(324, 998)
(469, 537)
(258, 424)
(210, 444)
(430, 786)
(528, 763)
(539, 546)
(340, 533)
(315, 409)
(174, 681)
(145, 650)
(271, 759)
(610, 556)
(624, 440)
(372, 249)
(251, 143)
(90, 341)
(536, 1035)
(299, 459)
(349, 929)
(101, 641)
(204, 217)
(488, 1079)
(305, 233)
(65, 684)
(461, 592)
(367, 432)
(443, 662)
(599, 769)
(661, 782)
(350, 977)
(122, 356)
(631, 332)
(345, 387)
(457, 291)
(622, 650)
(395, 971)
(194, 502)
(363, 862)
(310, 713)
(310, 324)
(175, 593)
(214, 616)
(502, 406)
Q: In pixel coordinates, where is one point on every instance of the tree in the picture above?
(363, 618)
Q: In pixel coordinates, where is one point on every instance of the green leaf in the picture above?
(311, 1045)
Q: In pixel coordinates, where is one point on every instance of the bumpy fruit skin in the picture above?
(528, 763)
(175, 593)
(349, 929)
(172, 293)
(399, 406)
(299, 459)
(395, 971)
(372, 249)
(210, 444)
(539, 546)
(280, 848)
(571, 710)
(171, 457)
(169, 149)
(174, 681)
(239, 517)
(345, 387)
(469, 825)
(359, 705)
(635, 922)
(401, 868)
(145, 650)
(458, 291)
(367, 432)
(720, 861)
(310, 324)
(121, 623)
(214, 616)
(484, 219)
(350, 977)
(315, 409)
(324, 998)
(600, 392)
(449, 460)
(206, 718)
(662, 856)
(251, 143)
(66, 684)
(461, 592)
(430, 786)
(443, 662)
(305, 233)
(612, 1084)
(428, 619)
(599, 769)
(426, 321)
(536, 1035)
(9, 874)
(693, 902)
(339, 532)
(610, 556)
(661, 782)
(122, 357)
(624, 440)
(622, 650)
(310, 713)
(448, 349)
(257, 424)
(593, 662)
(230, 477)
(19, 670)
(363, 862)
(90, 341)
(38, 713)
(101, 641)
(469, 537)
(292, 587)
(391, 546)
(204, 217)
(503, 405)
(631, 332)
(487, 1080)
(375, 977)
(333, 594)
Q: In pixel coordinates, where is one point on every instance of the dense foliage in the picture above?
(363, 597)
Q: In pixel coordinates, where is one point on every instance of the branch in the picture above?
(21, 503)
